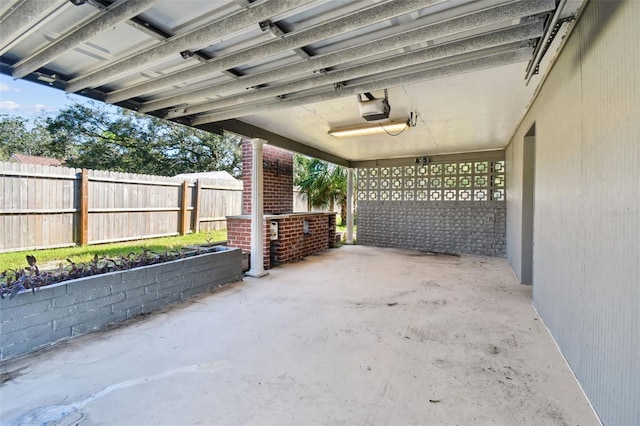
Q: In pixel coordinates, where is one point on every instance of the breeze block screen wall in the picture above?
(447, 207)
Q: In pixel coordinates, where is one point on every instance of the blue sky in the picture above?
(30, 100)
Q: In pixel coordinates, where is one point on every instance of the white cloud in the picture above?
(4, 87)
(27, 111)
(9, 106)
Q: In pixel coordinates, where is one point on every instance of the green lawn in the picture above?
(343, 228)
(17, 259)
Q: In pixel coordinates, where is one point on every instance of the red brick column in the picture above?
(277, 181)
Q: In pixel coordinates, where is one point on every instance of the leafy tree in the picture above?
(323, 183)
(196, 150)
(19, 136)
(93, 137)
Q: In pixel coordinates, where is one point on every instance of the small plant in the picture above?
(29, 278)
(12, 281)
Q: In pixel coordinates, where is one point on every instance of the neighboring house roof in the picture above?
(221, 174)
(34, 159)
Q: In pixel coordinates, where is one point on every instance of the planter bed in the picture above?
(70, 308)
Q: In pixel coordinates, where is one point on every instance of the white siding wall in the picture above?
(586, 268)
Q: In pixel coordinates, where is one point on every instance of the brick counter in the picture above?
(293, 243)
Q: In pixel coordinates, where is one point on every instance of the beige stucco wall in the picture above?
(586, 267)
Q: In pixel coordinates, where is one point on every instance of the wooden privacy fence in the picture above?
(45, 206)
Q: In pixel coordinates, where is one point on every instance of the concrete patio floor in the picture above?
(356, 336)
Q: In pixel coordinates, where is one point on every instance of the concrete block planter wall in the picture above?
(70, 308)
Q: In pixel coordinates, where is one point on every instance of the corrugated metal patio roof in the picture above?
(290, 70)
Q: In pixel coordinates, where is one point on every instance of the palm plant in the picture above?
(323, 183)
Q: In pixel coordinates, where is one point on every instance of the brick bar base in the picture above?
(292, 243)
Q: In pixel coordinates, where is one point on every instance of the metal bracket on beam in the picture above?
(257, 87)
(186, 54)
(552, 36)
(274, 29)
(267, 25)
(545, 41)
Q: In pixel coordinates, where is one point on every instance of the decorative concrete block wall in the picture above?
(452, 206)
(58, 312)
(475, 227)
(277, 167)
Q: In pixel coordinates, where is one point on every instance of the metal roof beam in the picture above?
(116, 14)
(417, 57)
(500, 59)
(251, 131)
(250, 16)
(6, 5)
(472, 21)
(19, 19)
(274, 29)
(369, 16)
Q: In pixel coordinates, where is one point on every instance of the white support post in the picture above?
(257, 211)
(349, 206)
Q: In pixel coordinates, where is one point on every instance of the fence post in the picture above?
(196, 206)
(84, 207)
(184, 209)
